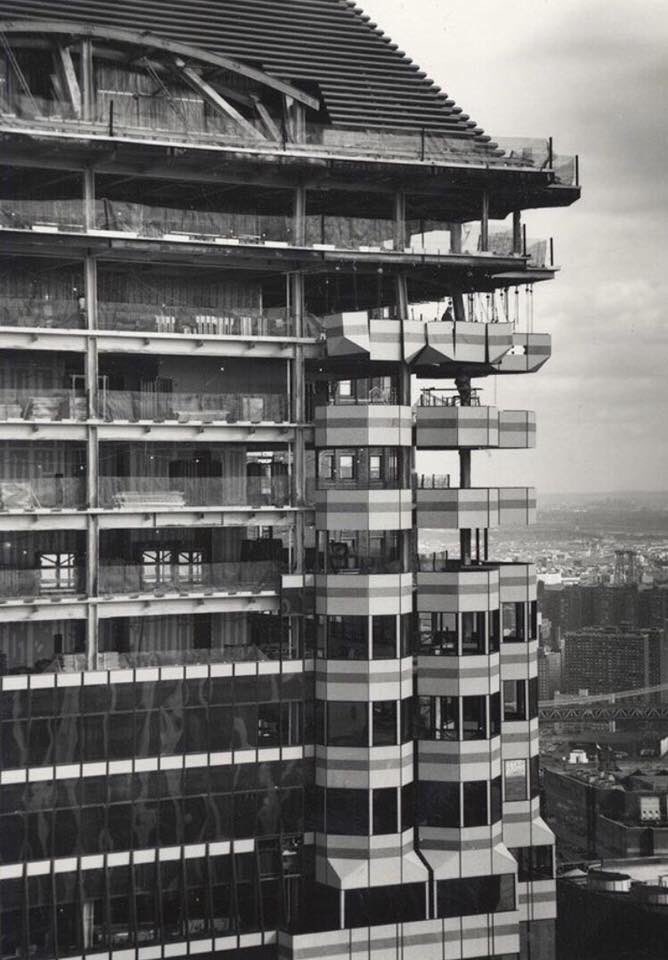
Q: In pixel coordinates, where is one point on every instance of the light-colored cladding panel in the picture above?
(448, 428)
(466, 342)
(372, 425)
(475, 507)
(364, 768)
(385, 340)
(458, 591)
(458, 676)
(342, 594)
(455, 761)
(517, 429)
(364, 509)
(517, 582)
(531, 351)
(420, 940)
(364, 681)
(347, 335)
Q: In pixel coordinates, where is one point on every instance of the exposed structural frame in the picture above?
(310, 733)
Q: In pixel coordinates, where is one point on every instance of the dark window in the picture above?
(512, 615)
(533, 698)
(534, 776)
(384, 905)
(475, 803)
(326, 466)
(437, 634)
(384, 716)
(407, 806)
(346, 467)
(384, 634)
(347, 638)
(406, 707)
(438, 804)
(515, 780)
(385, 810)
(474, 719)
(347, 724)
(495, 714)
(474, 895)
(319, 721)
(405, 634)
(514, 700)
(438, 718)
(347, 812)
(495, 801)
(494, 619)
(534, 863)
(533, 620)
(473, 633)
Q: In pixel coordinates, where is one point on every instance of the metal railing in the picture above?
(39, 403)
(143, 493)
(437, 397)
(189, 578)
(41, 312)
(364, 564)
(436, 562)
(184, 407)
(134, 113)
(194, 321)
(16, 583)
(182, 223)
(42, 493)
(432, 481)
(375, 397)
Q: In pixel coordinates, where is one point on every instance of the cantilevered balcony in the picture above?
(474, 507)
(451, 586)
(364, 425)
(443, 423)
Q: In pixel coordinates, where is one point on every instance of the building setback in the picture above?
(243, 713)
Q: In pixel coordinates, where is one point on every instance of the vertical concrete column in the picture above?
(517, 231)
(399, 220)
(407, 455)
(298, 399)
(456, 247)
(87, 80)
(92, 530)
(89, 198)
(484, 222)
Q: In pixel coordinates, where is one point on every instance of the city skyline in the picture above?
(591, 77)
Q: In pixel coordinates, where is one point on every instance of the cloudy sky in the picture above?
(594, 75)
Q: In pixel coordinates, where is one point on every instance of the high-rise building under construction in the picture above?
(244, 712)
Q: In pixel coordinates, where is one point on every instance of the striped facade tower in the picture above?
(247, 711)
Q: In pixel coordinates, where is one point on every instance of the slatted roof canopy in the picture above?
(363, 78)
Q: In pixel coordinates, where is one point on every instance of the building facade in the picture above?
(606, 659)
(244, 713)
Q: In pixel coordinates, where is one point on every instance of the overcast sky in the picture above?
(594, 75)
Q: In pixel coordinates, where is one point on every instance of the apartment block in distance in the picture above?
(254, 263)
